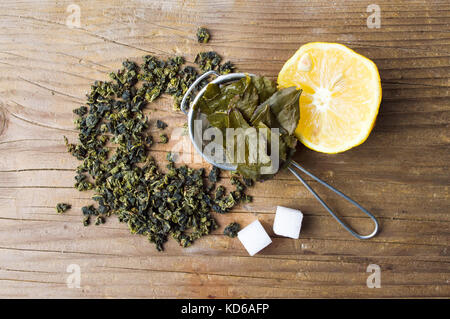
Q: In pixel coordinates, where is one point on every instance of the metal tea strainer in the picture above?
(292, 166)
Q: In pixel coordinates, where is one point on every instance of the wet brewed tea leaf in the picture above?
(253, 102)
(265, 87)
(284, 106)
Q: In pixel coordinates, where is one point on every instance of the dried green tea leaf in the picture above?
(89, 210)
(226, 68)
(62, 207)
(202, 35)
(81, 111)
(86, 220)
(220, 191)
(164, 139)
(99, 220)
(247, 181)
(207, 60)
(231, 230)
(161, 125)
(214, 174)
(170, 157)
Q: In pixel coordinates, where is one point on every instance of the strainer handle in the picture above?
(183, 105)
(293, 165)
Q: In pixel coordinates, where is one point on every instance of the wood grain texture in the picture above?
(401, 173)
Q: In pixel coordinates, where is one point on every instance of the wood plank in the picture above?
(401, 173)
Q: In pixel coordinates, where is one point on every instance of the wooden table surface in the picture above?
(401, 173)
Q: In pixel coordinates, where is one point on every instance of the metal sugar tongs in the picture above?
(292, 166)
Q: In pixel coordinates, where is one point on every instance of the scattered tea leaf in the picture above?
(164, 139)
(161, 125)
(86, 220)
(202, 35)
(207, 60)
(231, 230)
(62, 207)
(214, 174)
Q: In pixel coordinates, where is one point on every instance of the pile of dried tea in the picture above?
(114, 146)
(170, 76)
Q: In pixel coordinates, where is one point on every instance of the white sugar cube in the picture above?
(287, 222)
(254, 237)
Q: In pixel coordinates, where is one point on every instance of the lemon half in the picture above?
(341, 95)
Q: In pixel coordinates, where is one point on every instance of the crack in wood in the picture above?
(77, 99)
(37, 123)
(2, 120)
